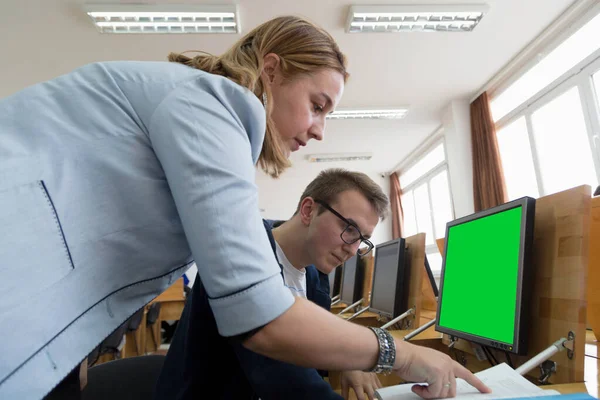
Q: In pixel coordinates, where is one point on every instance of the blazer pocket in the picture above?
(33, 250)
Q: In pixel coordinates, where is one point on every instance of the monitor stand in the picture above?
(560, 345)
(356, 314)
(350, 307)
(420, 329)
(399, 318)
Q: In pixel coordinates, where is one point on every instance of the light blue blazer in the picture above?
(113, 178)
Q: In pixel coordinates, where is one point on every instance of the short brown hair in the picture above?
(302, 47)
(331, 182)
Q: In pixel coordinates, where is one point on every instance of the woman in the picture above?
(115, 176)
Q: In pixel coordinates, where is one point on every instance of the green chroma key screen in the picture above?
(481, 276)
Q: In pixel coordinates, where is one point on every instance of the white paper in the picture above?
(502, 379)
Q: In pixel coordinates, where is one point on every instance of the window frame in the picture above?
(534, 56)
(426, 179)
(580, 76)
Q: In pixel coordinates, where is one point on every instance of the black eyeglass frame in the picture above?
(362, 239)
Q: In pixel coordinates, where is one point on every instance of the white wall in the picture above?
(457, 130)
(279, 197)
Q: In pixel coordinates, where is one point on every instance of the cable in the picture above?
(487, 355)
(508, 360)
(492, 355)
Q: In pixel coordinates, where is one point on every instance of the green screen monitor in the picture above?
(486, 276)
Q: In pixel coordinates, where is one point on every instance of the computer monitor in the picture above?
(352, 281)
(486, 276)
(335, 281)
(389, 294)
(432, 282)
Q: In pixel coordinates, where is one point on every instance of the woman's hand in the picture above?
(422, 364)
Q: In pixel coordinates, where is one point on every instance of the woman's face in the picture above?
(301, 104)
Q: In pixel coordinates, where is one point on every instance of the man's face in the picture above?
(326, 248)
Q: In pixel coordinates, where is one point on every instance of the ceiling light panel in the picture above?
(397, 113)
(135, 18)
(415, 18)
(338, 157)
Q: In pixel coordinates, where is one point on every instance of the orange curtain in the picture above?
(396, 205)
(489, 188)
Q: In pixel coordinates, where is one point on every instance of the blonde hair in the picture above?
(302, 47)
(330, 183)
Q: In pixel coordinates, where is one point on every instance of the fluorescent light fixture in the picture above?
(338, 157)
(397, 113)
(138, 18)
(415, 18)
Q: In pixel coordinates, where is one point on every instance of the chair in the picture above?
(128, 378)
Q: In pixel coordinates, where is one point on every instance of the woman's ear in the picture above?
(270, 67)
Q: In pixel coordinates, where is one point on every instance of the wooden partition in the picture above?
(367, 262)
(416, 253)
(593, 313)
(441, 242)
(558, 301)
(428, 300)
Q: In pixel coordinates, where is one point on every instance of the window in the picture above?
(565, 56)
(423, 212)
(441, 203)
(428, 162)
(596, 79)
(546, 120)
(435, 263)
(517, 161)
(427, 202)
(562, 144)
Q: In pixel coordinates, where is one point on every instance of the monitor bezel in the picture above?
(524, 277)
(432, 282)
(358, 281)
(336, 287)
(400, 301)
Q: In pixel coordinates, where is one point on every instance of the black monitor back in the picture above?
(389, 294)
(352, 281)
(335, 281)
(432, 281)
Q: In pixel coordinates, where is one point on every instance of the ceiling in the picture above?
(41, 39)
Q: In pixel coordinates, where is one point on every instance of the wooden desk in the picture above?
(365, 319)
(562, 389)
(429, 333)
(567, 388)
(373, 319)
(338, 307)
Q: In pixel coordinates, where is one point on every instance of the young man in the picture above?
(334, 219)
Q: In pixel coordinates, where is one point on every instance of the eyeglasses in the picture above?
(351, 234)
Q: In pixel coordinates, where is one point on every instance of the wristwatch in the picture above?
(387, 352)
